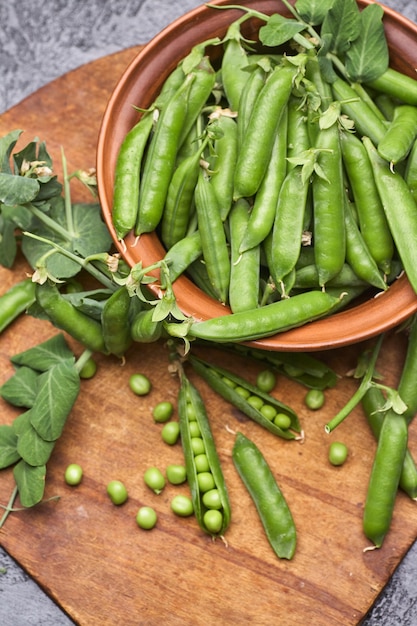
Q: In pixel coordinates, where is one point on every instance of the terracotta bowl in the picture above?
(140, 84)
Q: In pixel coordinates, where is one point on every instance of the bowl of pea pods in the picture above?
(261, 162)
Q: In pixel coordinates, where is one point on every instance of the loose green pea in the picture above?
(154, 479)
(170, 433)
(266, 381)
(146, 517)
(140, 384)
(163, 411)
(282, 421)
(117, 492)
(73, 474)
(212, 500)
(314, 399)
(176, 474)
(197, 445)
(89, 369)
(205, 481)
(213, 520)
(182, 506)
(201, 463)
(268, 411)
(338, 453)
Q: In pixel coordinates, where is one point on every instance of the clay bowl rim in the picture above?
(349, 326)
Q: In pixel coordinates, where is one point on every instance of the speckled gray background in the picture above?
(40, 41)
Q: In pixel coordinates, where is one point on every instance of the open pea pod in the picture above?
(191, 409)
(230, 385)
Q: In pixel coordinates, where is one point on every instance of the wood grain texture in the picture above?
(91, 557)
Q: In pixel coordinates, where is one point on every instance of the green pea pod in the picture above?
(394, 192)
(245, 266)
(251, 90)
(262, 216)
(267, 320)
(410, 174)
(256, 149)
(160, 159)
(234, 62)
(115, 322)
(182, 254)
(230, 386)
(298, 135)
(397, 85)
(225, 149)
(65, 316)
(373, 404)
(357, 254)
(15, 301)
(385, 477)
(213, 237)
(372, 219)
(399, 138)
(144, 329)
(367, 123)
(307, 277)
(268, 498)
(407, 383)
(328, 207)
(201, 88)
(191, 405)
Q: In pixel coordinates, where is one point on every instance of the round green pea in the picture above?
(314, 399)
(205, 481)
(194, 429)
(182, 506)
(89, 369)
(268, 411)
(266, 381)
(163, 411)
(338, 453)
(245, 393)
(146, 517)
(283, 421)
(154, 479)
(201, 463)
(170, 433)
(197, 445)
(73, 474)
(213, 520)
(229, 382)
(140, 384)
(117, 492)
(190, 412)
(211, 499)
(176, 474)
(256, 402)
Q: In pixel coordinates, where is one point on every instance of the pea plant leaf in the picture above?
(8, 245)
(21, 389)
(7, 143)
(278, 30)
(58, 390)
(313, 11)
(8, 446)
(368, 56)
(30, 481)
(17, 189)
(87, 236)
(32, 448)
(21, 423)
(342, 22)
(46, 354)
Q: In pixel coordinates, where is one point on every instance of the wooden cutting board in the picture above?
(92, 558)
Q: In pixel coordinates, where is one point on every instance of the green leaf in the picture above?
(18, 215)
(342, 22)
(45, 355)
(58, 390)
(313, 11)
(32, 448)
(7, 143)
(8, 246)
(17, 189)
(368, 56)
(89, 236)
(30, 482)
(8, 446)
(21, 389)
(21, 423)
(279, 30)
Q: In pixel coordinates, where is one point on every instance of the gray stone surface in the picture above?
(39, 42)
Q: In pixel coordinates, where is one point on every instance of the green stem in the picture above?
(52, 224)
(366, 383)
(67, 196)
(82, 360)
(9, 506)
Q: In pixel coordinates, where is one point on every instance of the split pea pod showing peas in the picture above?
(271, 505)
(385, 477)
(261, 407)
(197, 439)
(65, 316)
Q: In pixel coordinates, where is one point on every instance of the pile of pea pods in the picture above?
(268, 183)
